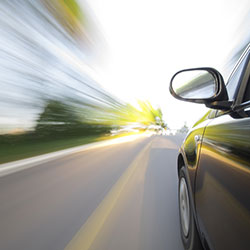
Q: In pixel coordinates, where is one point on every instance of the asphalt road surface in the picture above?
(116, 197)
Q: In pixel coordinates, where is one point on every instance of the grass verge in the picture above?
(24, 148)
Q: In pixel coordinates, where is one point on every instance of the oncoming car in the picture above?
(214, 161)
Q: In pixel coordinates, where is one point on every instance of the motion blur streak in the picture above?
(49, 96)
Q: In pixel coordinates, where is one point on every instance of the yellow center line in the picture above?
(88, 232)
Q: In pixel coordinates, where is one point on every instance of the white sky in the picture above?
(149, 40)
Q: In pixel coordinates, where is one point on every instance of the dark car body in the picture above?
(216, 159)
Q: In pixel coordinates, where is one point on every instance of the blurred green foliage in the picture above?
(60, 118)
(69, 14)
(62, 124)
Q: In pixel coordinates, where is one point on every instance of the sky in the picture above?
(130, 48)
(149, 40)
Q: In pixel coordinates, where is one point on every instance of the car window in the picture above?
(246, 96)
(247, 93)
(235, 78)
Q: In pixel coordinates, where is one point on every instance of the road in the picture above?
(117, 197)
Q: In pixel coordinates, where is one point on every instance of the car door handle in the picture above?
(197, 138)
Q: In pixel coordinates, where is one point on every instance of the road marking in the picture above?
(89, 231)
(16, 166)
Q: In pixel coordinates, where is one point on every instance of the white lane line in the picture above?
(15, 166)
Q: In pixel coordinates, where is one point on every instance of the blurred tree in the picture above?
(70, 15)
(59, 119)
(165, 126)
(56, 117)
(150, 114)
(184, 129)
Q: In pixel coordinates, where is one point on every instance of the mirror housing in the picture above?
(200, 85)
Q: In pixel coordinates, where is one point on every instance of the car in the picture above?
(214, 160)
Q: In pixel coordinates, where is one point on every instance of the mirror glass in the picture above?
(194, 84)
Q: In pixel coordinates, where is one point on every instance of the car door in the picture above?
(222, 186)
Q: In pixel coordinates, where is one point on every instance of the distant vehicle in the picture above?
(157, 129)
(214, 160)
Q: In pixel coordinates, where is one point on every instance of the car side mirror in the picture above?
(200, 85)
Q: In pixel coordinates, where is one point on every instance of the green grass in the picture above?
(20, 147)
(25, 149)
